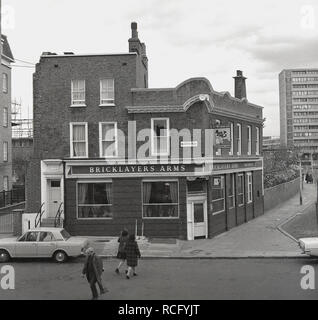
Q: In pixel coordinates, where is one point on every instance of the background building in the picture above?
(270, 143)
(83, 166)
(5, 114)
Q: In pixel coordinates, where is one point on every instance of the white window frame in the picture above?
(5, 183)
(243, 191)
(78, 103)
(101, 141)
(249, 140)
(5, 117)
(249, 187)
(219, 199)
(5, 83)
(111, 101)
(257, 141)
(71, 139)
(232, 182)
(153, 152)
(232, 139)
(94, 182)
(239, 139)
(142, 199)
(5, 151)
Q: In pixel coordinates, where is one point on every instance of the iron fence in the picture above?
(16, 195)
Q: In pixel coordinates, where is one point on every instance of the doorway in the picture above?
(54, 197)
(197, 217)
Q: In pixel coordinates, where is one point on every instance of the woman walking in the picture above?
(132, 255)
(121, 254)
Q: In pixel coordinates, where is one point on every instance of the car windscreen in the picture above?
(65, 234)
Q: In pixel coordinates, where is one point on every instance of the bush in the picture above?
(272, 179)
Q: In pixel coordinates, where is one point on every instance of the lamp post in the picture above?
(300, 183)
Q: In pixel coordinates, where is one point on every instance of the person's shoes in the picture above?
(104, 291)
(127, 277)
(95, 298)
(135, 274)
(126, 271)
(117, 271)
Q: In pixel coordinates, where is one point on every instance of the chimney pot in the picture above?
(134, 32)
(240, 85)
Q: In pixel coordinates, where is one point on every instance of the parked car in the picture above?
(53, 243)
(309, 246)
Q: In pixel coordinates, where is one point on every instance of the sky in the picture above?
(184, 38)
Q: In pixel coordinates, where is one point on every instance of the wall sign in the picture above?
(222, 137)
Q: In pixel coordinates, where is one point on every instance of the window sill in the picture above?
(78, 105)
(160, 218)
(94, 218)
(107, 105)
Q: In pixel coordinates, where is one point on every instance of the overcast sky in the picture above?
(184, 38)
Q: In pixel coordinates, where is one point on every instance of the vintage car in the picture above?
(309, 246)
(43, 243)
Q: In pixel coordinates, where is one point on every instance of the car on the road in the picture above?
(53, 243)
(309, 246)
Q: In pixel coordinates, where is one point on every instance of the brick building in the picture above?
(5, 114)
(178, 162)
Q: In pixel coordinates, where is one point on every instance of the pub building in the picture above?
(106, 155)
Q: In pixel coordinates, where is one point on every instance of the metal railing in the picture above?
(38, 218)
(8, 198)
(57, 220)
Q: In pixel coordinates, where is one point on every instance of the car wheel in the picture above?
(60, 256)
(4, 256)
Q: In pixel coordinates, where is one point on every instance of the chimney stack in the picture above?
(240, 85)
(134, 42)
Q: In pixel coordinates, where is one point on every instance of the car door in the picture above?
(46, 244)
(26, 247)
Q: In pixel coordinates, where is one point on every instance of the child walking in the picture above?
(121, 254)
(132, 255)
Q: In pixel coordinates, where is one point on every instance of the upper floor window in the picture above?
(78, 92)
(257, 141)
(5, 183)
(5, 117)
(5, 151)
(79, 140)
(249, 140)
(232, 139)
(239, 139)
(5, 83)
(107, 92)
(160, 143)
(108, 139)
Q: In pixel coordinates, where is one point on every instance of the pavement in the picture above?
(262, 237)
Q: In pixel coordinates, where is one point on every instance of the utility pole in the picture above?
(300, 184)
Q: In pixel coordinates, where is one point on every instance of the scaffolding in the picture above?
(21, 127)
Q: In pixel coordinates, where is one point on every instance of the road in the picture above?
(167, 279)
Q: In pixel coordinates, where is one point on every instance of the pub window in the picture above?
(78, 92)
(239, 139)
(79, 137)
(257, 141)
(249, 187)
(107, 92)
(218, 192)
(240, 190)
(232, 191)
(5, 83)
(5, 183)
(232, 139)
(94, 200)
(5, 117)
(249, 140)
(160, 199)
(108, 139)
(5, 151)
(160, 136)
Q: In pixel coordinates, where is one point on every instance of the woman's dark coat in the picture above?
(132, 253)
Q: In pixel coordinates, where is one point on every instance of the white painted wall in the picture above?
(26, 218)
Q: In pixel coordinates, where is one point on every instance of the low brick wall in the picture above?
(280, 193)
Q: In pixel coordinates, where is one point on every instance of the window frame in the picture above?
(249, 140)
(6, 185)
(101, 140)
(5, 151)
(74, 103)
(101, 104)
(5, 117)
(249, 189)
(243, 191)
(257, 150)
(214, 200)
(142, 198)
(71, 140)
(153, 153)
(233, 201)
(105, 181)
(239, 139)
(5, 82)
(231, 152)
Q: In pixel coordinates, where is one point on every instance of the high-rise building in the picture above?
(298, 93)
(5, 113)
